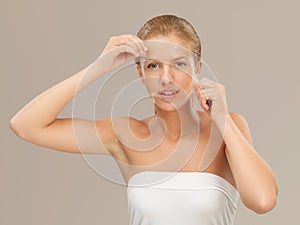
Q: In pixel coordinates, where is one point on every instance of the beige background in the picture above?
(253, 47)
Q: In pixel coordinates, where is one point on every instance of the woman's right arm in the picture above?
(37, 122)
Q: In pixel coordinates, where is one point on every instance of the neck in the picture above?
(179, 122)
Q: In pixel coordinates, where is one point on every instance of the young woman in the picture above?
(173, 141)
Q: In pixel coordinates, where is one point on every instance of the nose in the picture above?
(167, 74)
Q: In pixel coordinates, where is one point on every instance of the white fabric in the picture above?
(181, 198)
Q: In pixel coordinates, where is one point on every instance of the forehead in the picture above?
(166, 51)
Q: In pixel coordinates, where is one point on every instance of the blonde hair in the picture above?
(171, 24)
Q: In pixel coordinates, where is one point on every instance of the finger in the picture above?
(131, 50)
(205, 82)
(118, 41)
(126, 40)
(205, 98)
(211, 93)
(141, 44)
(138, 43)
(201, 96)
(201, 91)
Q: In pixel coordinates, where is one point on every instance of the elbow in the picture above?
(265, 205)
(261, 203)
(267, 201)
(13, 124)
(16, 127)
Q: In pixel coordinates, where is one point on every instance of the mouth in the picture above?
(168, 94)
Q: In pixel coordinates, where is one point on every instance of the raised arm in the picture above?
(37, 122)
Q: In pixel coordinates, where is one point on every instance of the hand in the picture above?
(212, 98)
(119, 50)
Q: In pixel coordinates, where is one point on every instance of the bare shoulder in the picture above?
(114, 126)
(242, 124)
(111, 130)
(237, 117)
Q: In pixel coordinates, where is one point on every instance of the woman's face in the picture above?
(168, 70)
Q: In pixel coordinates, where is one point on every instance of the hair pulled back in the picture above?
(171, 24)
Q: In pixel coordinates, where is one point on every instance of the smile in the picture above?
(168, 93)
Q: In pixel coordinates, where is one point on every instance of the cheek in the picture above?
(185, 82)
(151, 84)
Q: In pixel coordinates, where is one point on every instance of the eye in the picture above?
(153, 66)
(180, 64)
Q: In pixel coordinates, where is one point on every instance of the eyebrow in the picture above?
(175, 59)
(181, 57)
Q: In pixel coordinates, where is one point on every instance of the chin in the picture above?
(170, 106)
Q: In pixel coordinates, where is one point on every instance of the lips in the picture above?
(168, 93)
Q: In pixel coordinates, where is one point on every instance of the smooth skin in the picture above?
(237, 160)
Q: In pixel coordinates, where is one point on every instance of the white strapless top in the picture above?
(181, 198)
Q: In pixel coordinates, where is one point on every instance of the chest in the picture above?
(159, 153)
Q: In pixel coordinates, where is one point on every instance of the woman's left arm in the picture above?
(254, 178)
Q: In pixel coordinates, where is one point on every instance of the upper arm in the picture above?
(72, 135)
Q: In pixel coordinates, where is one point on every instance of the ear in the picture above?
(199, 67)
(139, 72)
